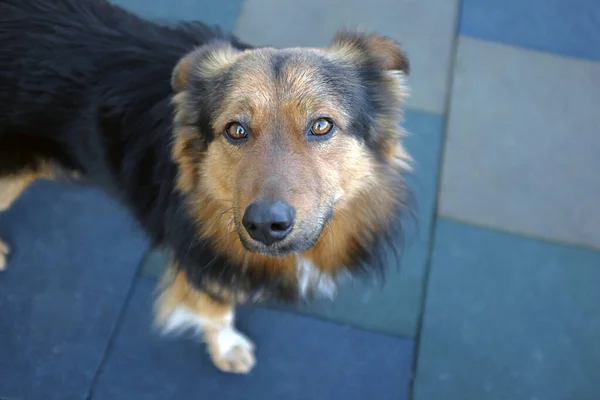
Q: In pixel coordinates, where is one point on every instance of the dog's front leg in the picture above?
(181, 307)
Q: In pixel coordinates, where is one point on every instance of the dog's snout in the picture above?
(269, 221)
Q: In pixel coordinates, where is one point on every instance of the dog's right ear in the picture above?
(384, 51)
(204, 62)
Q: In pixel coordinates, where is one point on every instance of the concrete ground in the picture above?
(498, 295)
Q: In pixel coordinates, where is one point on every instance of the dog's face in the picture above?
(279, 149)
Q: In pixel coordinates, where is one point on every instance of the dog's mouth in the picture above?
(279, 249)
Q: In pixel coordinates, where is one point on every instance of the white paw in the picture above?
(4, 250)
(231, 351)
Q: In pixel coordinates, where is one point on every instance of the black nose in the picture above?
(269, 221)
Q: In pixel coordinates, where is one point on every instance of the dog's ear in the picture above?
(359, 46)
(204, 62)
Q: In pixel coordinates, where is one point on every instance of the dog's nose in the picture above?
(269, 221)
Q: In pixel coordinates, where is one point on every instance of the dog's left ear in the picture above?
(204, 62)
(385, 51)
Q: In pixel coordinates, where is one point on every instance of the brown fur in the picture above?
(178, 291)
(282, 166)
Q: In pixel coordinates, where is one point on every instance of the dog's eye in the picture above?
(321, 127)
(235, 131)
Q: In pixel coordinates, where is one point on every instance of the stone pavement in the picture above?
(498, 294)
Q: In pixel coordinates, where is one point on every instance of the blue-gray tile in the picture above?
(74, 256)
(223, 13)
(522, 144)
(298, 358)
(425, 28)
(154, 263)
(570, 27)
(509, 318)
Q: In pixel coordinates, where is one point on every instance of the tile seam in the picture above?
(525, 235)
(434, 220)
(116, 328)
(529, 49)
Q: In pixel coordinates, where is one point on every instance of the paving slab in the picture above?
(223, 13)
(426, 29)
(522, 144)
(570, 27)
(154, 264)
(299, 358)
(508, 317)
(74, 256)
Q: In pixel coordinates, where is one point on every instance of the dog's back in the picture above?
(79, 68)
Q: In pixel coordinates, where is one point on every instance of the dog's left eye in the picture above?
(235, 131)
(321, 127)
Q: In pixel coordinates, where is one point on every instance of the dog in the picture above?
(265, 173)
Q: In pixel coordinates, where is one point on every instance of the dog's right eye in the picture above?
(235, 131)
(322, 126)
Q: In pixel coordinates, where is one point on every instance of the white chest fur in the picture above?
(312, 281)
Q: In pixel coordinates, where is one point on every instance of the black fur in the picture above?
(87, 84)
